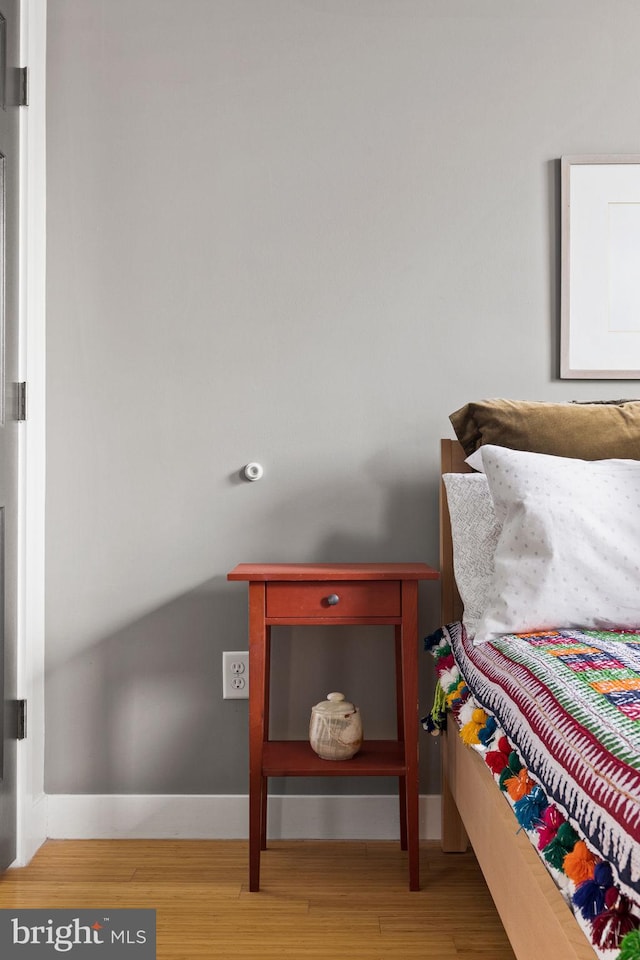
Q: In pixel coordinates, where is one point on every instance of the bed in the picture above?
(534, 911)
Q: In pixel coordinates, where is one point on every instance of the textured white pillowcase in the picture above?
(568, 554)
(474, 532)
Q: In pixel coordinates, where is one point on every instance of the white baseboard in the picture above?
(81, 816)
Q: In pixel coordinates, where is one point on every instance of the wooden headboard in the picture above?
(451, 461)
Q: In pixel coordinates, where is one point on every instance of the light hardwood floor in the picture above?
(339, 901)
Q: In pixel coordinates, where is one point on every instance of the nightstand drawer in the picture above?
(334, 598)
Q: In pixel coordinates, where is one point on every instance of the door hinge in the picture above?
(21, 719)
(23, 86)
(21, 400)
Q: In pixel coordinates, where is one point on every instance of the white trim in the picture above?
(100, 817)
(31, 818)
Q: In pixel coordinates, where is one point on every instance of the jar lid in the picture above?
(335, 706)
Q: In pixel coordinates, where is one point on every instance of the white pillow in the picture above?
(474, 531)
(568, 554)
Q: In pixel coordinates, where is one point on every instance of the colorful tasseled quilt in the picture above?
(557, 717)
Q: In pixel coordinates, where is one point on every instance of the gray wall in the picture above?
(301, 232)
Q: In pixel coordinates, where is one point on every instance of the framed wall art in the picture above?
(600, 279)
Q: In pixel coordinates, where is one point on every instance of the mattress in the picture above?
(557, 716)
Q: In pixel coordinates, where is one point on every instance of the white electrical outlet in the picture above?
(235, 674)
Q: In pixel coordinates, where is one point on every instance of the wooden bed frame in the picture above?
(537, 920)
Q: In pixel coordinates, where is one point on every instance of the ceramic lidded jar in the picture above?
(335, 728)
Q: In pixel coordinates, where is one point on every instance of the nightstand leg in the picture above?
(409, 652)
(265, 733)
(263, 814)
(255, 819)
(258, 680)
(402, 786)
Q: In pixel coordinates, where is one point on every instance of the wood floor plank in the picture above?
(347, 899)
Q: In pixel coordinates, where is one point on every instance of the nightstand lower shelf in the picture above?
(295, 758)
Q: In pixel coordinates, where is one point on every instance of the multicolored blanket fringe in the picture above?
(610, 919)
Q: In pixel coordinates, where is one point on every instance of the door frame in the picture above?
(31, 799)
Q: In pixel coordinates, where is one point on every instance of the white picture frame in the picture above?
(600, 267)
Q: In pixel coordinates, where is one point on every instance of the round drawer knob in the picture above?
(332, 599)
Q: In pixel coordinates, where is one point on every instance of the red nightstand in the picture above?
(333, 593)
